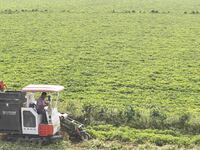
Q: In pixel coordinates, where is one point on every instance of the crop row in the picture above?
(126, 134)
(10, 11)
(131, 116)
(154, 12)
(135, 11)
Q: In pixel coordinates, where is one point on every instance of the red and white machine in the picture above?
(19, 117)
(31, 120)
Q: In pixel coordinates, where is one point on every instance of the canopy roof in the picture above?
(42, 88)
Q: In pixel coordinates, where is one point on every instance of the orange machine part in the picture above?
(45, 130)
(2, 86)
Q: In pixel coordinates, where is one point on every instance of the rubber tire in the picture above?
(84, 136)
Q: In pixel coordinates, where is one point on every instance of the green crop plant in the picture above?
(129, 76)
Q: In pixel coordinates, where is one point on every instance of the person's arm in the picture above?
(45, 103)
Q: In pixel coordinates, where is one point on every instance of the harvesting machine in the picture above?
(19, 118)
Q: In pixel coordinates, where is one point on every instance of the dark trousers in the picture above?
(44, 116)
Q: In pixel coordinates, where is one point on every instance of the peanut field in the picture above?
(131, 68)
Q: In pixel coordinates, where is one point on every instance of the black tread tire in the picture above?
(84, 136)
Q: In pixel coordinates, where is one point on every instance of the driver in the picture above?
(41, 103)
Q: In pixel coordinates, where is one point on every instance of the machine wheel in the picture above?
(64, 135)
(84, 136)
(41, 142)
(11, 138)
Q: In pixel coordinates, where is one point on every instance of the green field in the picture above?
(131, 67)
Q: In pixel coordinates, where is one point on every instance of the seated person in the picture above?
(41, 103)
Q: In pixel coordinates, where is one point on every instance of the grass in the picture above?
(91, 145)
(119, 65)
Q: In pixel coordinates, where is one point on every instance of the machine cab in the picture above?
(31, 120)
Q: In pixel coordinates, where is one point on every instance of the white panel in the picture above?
(55, 120)
(30, 130)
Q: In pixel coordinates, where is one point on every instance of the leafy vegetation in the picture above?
(131, 68)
